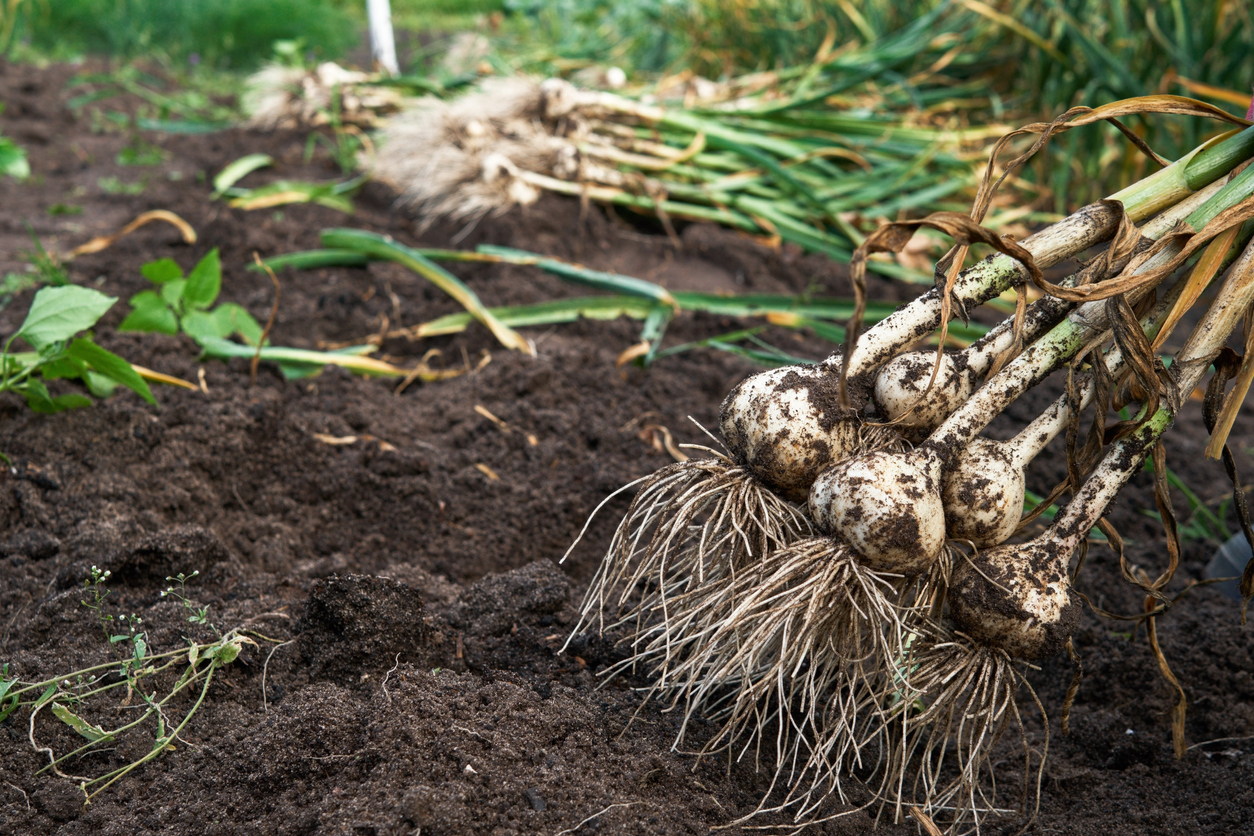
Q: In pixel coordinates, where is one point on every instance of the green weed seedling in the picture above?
(56, 316)
(156, 679)
(13, 161)
(185, 303)
(140, 151)
(43, 268)
(195, 614)
(113, 185)
(334, 195)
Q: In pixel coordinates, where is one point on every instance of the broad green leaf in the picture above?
(200, 325)
(204, 282)
(236, 320)
(71, 400)
(98, 384)
(86, 729)
(112, 366)
(172, 293)
(150, 314)
(228, 651)
(13, 160)
(38, 398)
(58, 313)
(161, 270)
(62, 368)
(236, 171)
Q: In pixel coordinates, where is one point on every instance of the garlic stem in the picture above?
(1191, 364)
(883, 504)
(1049, 310)
(984, 486)
(1083, 229)
(916, 401)
(1086, 324)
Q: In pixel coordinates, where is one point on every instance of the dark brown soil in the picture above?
(414, 571)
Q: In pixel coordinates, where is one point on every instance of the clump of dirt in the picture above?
(395, 556)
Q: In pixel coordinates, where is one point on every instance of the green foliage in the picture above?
(140, 151)
(334, 195)
(185, 303)
(13, 161)
(196, 614)
(44, 265)
(113, 185)
(155, 678)
(179, 102)
(218, 33)
(56, 315)
(94, 585)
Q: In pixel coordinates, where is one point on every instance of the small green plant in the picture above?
(335, 195)
(1201, 523)
(12, 156)
(185, 303)
(56, 316)
(195, 614)
(43, 268)
(14, 283)
(346, 145)
(140, 151)
(46, 266)
(13, 159)
(112, 185)
(155, 678)
(96, 594)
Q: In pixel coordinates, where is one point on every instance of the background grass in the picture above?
(236, 34)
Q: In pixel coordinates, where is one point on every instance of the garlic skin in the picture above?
(983, 493)
(786, 426)
(887, 506)
(1017, 598)
(903, 383)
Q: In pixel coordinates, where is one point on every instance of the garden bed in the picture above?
(404, 547)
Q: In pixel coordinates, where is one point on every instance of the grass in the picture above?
(236, 34)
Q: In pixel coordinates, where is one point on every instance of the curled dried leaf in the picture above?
(102, 242)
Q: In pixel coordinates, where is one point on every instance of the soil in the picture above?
(406, 578)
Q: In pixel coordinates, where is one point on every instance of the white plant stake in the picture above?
(382, 41)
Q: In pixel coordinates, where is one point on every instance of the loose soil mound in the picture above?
(411, 572)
